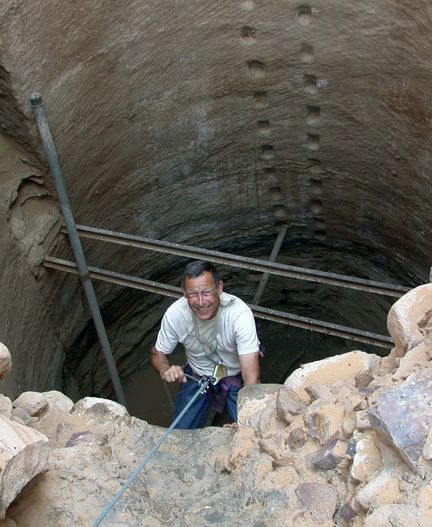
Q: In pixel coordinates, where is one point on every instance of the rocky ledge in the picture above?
(347, 441)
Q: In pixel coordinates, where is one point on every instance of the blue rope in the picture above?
(204, 382)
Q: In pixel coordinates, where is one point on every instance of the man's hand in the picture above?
(167, 373)
(173, 374)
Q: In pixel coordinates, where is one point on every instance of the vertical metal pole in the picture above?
(275, 251)
(53, 162)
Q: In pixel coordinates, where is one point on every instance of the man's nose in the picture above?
(200, 299)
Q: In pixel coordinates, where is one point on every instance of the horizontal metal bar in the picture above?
(260, 312)
(243, 262)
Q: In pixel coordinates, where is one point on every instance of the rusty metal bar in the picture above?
(275, 251)
(53, 162)
(260, 312)
(243, 262)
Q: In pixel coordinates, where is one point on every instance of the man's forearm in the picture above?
(159, 361)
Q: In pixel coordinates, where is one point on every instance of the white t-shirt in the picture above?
(236, 334)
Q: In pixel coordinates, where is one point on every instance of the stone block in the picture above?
(405, 315)
(318, 499)
(102, 409)
(34, 403)
(367, 460)
(325, 421)
(329, 455)
(5, 361)
(23, 455)
(383, 489)
(413, 360)
(59, 400)
(288, 403)
(328, 371)
(253, 399)
(403, 416)
(297, 438)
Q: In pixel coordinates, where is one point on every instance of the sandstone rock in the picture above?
(404, 417)
(288, 403)
(414, 359)
(253, 399)
(325, 422)
(317, 499)
(349, 423)
(367, 460)
(427, 448)
(5, 406)
(398, 516)
(59, 400)
(404, 316)
(330, 454)
(319, 391)
(5, 361)
(23, 455)
(19, 415)
(383, 489)
(347, 512)
(34, 403)
(98, 408)
(425, 327)
(362, 418)
(327, 371)
(424, 499)
(297, 438)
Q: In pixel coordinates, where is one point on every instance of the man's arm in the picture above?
(168, 373)
(249, 366)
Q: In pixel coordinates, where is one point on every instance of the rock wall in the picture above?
(212, 124)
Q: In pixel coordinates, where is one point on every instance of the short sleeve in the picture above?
(167, 338)
(245, 333)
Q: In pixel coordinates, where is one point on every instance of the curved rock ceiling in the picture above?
(211, 124)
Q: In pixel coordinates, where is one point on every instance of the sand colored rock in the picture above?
(288, 403)
(367, 460)
(327, 371)
(414, 359)
(33, 403)
(5, 361)
(404, 317)
(5, 406)
(98, 408)
(384, 489)
(324, 421)
(59, 400)
(318, 500)
(23, 455)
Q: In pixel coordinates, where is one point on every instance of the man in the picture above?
(216, 330)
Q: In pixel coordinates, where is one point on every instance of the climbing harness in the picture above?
(204, 383)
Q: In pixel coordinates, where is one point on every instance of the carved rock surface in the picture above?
(23, 455)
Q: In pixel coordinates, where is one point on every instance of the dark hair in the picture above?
(197, 268)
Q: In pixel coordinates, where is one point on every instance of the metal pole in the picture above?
(264, 279)
(53, 162)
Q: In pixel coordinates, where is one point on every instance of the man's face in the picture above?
(203, 295)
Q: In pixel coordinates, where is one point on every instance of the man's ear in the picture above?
(220, 287)
(184, 293)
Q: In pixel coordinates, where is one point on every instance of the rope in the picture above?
(203, 382)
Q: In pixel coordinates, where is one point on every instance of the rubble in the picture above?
(346, 442)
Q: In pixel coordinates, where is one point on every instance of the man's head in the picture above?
(201, 287)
